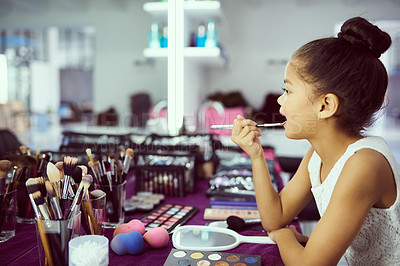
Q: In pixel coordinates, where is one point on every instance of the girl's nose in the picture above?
(281, 99)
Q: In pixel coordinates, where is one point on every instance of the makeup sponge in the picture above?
(127, 243)
(156, 237)
(132, 225)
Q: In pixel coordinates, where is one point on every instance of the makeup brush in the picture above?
(54, 203)
(41, 204)
(84, 169)
(22, 148)
(68, 166)
(86, 206)
(76, 178)
(40, 180)
(97, 194)
(5, 166)
(60, 167)
(112, 161)
(258, 125)
(127, 160)
(45, 242)
(94, 171)
(54, 177)
(89, 154)
(82, 189)
(107, 168)
(32, 187)
(99, 206)
(38, 150)
(236, 223)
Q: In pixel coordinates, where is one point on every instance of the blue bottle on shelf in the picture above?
(211, 35)
(154, 36)
(201, 37)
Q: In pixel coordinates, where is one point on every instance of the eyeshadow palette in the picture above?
(179, 257)
(168, 216)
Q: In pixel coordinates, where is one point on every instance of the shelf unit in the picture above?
(194, 11)
(185, 64)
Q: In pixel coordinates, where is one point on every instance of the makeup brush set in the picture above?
(236, 180)
(169, 174)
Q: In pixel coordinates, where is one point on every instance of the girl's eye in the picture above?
(285, 90)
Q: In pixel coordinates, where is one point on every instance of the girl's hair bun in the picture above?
(361, 33)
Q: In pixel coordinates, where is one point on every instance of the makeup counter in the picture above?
(218, 173)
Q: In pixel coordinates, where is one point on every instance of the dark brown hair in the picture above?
(349, 67)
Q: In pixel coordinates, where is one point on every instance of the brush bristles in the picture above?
(50, 189)
(87, 181)
(37, 197)
(32, 185)
(53, 173)
(77, 175)
(60, 166)
(129, 152)
(5, 167)
(69, 165)
(84, 169)
(22, 149)
(95, 194)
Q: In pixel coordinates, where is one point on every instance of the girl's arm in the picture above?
(276, 210)
(362, 184)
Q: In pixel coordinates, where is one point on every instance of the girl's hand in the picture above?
(246, 135)
(274, 235)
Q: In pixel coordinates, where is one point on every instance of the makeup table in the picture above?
(22, 249)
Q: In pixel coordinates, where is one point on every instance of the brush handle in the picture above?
(127, 163)
(35, 208)
(65, 188)
(45, 242)
(56, 208)
(259, 125)
(74, 202)
(44, 210)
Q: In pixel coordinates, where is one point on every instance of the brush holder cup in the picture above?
(7, 215)
(25, 213)
(94, 215)
(53, 237)
(115, 200)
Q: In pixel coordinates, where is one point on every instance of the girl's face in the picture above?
(301, 114)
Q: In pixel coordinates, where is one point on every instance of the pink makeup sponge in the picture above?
(132, 225)
(127, 243)
(156, 237)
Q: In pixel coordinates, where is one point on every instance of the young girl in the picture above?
(334, 86)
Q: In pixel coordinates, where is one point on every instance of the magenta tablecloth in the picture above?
(22, 249)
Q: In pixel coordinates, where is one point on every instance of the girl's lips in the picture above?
(284, 123)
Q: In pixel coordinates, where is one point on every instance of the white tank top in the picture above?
(378, 242)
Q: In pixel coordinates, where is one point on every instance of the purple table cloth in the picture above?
(22, 249)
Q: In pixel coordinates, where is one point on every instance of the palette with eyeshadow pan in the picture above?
(179, 257)
(168, 216)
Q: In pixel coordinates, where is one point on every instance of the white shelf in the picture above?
(155, 52)
(189, 52)
(192, 8)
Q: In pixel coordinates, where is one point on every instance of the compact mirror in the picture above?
(205, 238)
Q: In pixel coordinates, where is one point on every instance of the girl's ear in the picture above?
(328, 106)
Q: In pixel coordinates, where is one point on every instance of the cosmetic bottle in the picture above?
(154, 36)
(164, 37)
(201, 36)
(211, 35)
